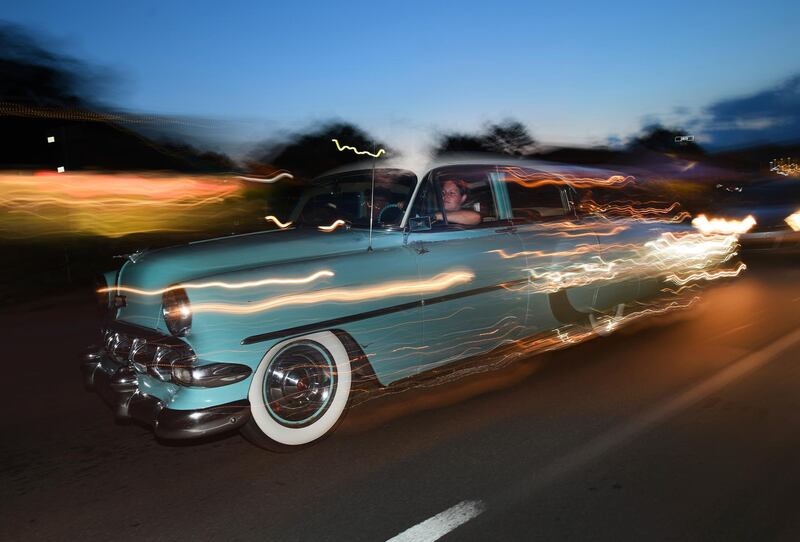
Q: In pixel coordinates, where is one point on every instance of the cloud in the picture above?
(768, 116)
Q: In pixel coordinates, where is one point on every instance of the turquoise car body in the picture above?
(359, 288)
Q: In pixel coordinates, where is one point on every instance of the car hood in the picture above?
(157, 269)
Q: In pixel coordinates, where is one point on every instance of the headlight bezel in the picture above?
(176, 309)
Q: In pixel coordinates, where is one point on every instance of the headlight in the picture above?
(794, 221)
(723, 225)
(177, 312)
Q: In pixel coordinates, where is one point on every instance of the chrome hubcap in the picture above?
(299, 384)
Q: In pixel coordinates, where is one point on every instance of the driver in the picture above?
(454, 194)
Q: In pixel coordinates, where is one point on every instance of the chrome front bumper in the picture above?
(118, 385)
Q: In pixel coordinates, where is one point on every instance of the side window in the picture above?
(458, 197)
(465, 196)
(533, 204)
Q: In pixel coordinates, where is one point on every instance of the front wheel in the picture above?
(299, 392)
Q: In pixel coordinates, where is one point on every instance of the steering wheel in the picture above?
(387, 208)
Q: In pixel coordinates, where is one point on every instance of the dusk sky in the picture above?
(573, 72)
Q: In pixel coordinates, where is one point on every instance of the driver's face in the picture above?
(452, 196)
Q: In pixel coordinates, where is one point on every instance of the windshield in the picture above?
(348, 196)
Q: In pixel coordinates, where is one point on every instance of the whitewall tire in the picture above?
(299, 392)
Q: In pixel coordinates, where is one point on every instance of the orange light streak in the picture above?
(638, 213)
(379, 291)
(110, 205)
(219, 284)
(535, 179)
(332, 227)
(269, 180)
(281, 225)
(613, 231)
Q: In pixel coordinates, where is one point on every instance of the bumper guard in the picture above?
(118, 386)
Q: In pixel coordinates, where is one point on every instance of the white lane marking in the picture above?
(591, 451)
(441, 524)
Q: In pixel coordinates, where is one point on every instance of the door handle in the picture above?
(509, 229)
(420, 248)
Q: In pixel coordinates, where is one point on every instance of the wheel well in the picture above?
(361, 368)
(563, 310)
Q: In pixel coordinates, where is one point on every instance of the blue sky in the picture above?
(574, 72)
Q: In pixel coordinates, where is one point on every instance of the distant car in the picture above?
(774, 203)
(272, 332)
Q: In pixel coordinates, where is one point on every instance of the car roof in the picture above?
(420, 168)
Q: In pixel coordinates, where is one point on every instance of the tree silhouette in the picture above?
(32, 75)
(657, 138)
(307, 154)
(508, 137)
(44, 94)
(459, 143)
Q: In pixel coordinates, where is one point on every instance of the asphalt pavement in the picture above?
(680, 427)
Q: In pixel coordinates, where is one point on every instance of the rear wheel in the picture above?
(299, 392)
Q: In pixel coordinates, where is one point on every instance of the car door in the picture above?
(560, 250)
(489, 309)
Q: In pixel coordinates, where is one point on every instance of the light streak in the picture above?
(534, 179)
(706, 275)
(579, 250)
(678, 255)
(270, 180)
(111, 205)
(220, 284)
(440, 282)
(637, 211)
(786, 167)
(722, 225)
(281, 225)
(572, 276)
(794, 221)
(349, 148)
(613, 231)
(332, 227)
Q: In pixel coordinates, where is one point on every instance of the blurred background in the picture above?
(153, 124)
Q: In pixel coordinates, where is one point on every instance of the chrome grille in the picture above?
(147, 356)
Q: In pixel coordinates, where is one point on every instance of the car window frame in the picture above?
(567, 204)
(497, 192)
(306, 196)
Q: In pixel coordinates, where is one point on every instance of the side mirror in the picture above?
(419, 223)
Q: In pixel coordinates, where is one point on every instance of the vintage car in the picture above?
(380, 274)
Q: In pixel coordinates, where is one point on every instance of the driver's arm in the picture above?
(464, 216)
